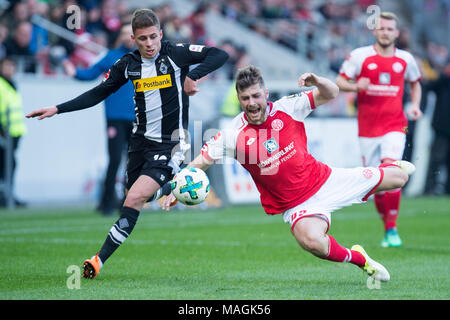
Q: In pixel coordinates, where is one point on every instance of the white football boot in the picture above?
(372, 268)
(407, 166)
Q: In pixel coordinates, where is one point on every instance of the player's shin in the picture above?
(119, 232)
(379, 203)
(338, 253)
(392, 206)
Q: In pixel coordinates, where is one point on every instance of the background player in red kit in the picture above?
(269, 140)
(378, 73)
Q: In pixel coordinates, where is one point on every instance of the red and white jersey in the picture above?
(380, 108)
(274, 153)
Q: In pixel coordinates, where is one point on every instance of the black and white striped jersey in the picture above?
(161, 104)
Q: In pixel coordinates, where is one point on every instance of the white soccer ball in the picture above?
(190, 186)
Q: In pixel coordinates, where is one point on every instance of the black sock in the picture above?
(119, 232)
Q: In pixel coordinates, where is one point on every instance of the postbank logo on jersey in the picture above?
(271, 145)
(158, 82)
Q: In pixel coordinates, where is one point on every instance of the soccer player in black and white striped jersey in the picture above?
(162, 79)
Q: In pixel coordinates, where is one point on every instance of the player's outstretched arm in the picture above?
(325, 90)
(347, 85)
(43, 113)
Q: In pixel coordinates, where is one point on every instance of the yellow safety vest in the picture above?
(10, 99)
(231, 106)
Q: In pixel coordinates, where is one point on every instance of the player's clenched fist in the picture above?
(190, 86)
(43, 113)
(308, 80)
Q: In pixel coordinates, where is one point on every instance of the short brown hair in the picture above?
(144, 18)
(389, 16)
(248, 76)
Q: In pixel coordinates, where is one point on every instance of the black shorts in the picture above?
(148, 158)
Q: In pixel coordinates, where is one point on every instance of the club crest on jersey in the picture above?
(385, 78)
(277, 124)
(367, 173)
(163, 68)
(397, 67)
(271, 145)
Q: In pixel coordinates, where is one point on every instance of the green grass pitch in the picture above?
(236, 253)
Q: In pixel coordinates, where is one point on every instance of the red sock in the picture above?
(338, 253)
(392, 205)
(379, 203)
(388, 203)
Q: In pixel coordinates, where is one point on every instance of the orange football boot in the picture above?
(91, 267)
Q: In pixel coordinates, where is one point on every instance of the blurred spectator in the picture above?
(230, 65)
(274, 9)
(59, 16)
(84, 53)
(165, 13)
(196, 22)
(232, 9)
(111, 20)
(176, 30)
(39, 35)
(238, 58)
(124, 11)
(18, 47)
(11, 117)
(404, 39)
(440, 149)
(21, 13)
(94, 20)
(4, 31)
(437, 54)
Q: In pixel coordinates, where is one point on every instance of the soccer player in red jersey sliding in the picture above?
(377, 73)
(269, 140)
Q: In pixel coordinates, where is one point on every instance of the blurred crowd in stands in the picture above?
(311, 28)
(41, 49)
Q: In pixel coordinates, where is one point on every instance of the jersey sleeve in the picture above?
(207, 58)
(298, 106)
(114, 79)
(351, 67)
(412, 72)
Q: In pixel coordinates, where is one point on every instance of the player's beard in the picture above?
(385, 45)
(257, 117)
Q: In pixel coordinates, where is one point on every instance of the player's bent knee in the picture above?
(312, 242)
(135, 200)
